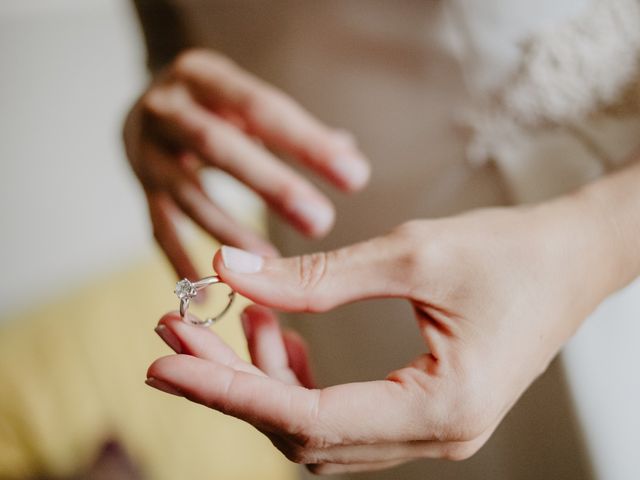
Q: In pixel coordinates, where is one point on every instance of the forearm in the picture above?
(612, 205)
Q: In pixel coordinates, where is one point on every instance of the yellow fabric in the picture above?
(71, 377)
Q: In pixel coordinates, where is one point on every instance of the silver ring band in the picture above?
(186, 290)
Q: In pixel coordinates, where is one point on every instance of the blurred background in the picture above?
(83, 286)
(70, 71)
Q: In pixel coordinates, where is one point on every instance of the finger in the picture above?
(357, 413)
(298, 354)
(281, 354)
(320, 281)
(264, 402)
(275, 118)
(335, 468)
(200, 342)
(194, 202)
(225, 146)
(266, 345)
(397, 451)
(162, 213)
(174, 174)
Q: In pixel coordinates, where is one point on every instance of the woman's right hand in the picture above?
(204, 110)
(495, 293)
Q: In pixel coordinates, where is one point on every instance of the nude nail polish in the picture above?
(317, 216)
(353, 171)
(241, 261)
(169, 338)
(163, 386)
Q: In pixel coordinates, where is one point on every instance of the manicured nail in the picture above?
(163, 386)
(240, 261)
(318, 217)
(169, 338)
(352, 170)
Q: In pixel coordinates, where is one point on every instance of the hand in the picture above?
(205, 110)
(496, 293)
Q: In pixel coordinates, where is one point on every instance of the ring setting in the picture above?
(186, 290)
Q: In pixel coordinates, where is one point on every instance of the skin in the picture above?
(496, 293)
(205, 111)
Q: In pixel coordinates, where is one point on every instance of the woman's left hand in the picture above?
(496, 293)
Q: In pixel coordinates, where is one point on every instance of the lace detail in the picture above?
(576, 70)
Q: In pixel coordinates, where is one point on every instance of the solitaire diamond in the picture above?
(185, 289)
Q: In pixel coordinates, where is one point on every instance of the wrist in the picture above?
(581, 260)
(603, 222)
(612, 207)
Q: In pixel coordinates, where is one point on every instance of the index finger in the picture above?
(274, 117)
(355, 413)
(162, 212)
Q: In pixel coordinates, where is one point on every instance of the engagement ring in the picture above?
(186, 290)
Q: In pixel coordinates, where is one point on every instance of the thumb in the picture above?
(319, 281)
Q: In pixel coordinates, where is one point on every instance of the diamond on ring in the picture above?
(186, 290)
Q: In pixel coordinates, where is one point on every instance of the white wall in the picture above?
(69, 208)
(603, 364)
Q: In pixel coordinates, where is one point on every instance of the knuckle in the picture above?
(426, 257)
(312, 269)
(315, 442)
(408, 230)
(162, 101)
(434, 254)
(185, 60)
(153, 102)
(304, 449)
(306, 438)
(191, 60)
(297, 454)
(309, 438)
(468, 417)
(198, 61)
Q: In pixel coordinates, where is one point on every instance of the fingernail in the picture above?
(240, 261)
(163, 386)
(354, 171)
(318, 217)
(169, 338)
